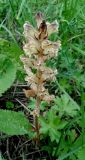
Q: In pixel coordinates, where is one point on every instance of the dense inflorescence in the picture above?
(38, 49)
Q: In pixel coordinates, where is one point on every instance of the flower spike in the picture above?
(38, 49)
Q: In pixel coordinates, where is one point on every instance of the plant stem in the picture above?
(37, 130)
(37, 109)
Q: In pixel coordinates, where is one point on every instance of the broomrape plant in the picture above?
(38, 49)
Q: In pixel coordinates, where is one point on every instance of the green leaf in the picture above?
(43, 105)
(32, 103)
(7, 73)
(13, 123)
(51, 126)
(11, 50)
(9, 105)
(65, 106)
(81, 154)
(1, 158)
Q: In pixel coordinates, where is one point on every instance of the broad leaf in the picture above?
(13, 123)
(7, 73)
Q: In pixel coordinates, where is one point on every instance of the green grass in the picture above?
(71, 60)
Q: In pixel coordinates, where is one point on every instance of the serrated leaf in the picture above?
(7, 73)
(51, 126)
(65, 105)
(13, 123)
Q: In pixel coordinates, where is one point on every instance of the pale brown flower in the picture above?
(38, 48)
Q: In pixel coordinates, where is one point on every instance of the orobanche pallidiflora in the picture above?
(38, 49)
